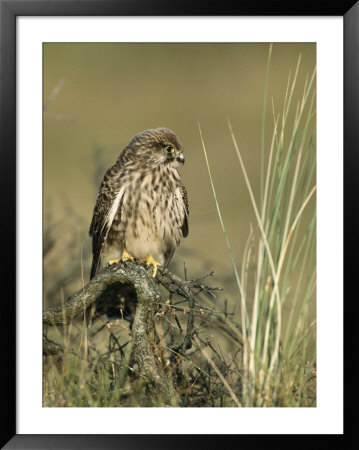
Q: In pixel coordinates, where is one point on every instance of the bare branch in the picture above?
(148, 297)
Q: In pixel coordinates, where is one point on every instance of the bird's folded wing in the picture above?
(184, 197)
(109, 202)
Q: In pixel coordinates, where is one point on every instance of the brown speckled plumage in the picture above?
(142, 204)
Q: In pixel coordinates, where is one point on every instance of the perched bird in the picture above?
(141, 210)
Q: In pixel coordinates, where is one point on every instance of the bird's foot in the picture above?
(150, 261)
(114, 261)
(124, 257)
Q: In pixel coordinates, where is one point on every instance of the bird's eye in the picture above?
(169, 149)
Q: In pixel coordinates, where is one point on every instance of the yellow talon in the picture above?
(124, 257)
(113, 261)
(150, 261)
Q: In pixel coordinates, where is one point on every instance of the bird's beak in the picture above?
(180, 158)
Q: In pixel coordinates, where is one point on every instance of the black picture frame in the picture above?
(9, 10)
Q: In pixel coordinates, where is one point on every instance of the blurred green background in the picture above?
(97, 96)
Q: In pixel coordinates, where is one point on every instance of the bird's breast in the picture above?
(150, 215)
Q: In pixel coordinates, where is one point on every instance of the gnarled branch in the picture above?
(148, 296)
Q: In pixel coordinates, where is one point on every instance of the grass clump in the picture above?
(278, 356)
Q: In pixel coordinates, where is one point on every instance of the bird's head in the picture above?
(158, 146)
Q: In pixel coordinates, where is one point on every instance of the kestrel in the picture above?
(141, 210)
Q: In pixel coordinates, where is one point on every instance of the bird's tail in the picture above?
(94, 267)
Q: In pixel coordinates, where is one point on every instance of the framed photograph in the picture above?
(174, 177)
